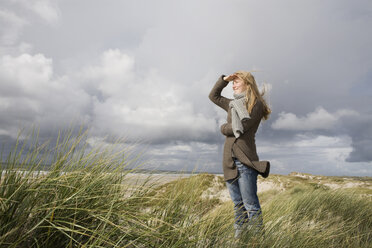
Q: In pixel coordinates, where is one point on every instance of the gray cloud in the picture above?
(360, 130)
(342, 122)
(143, 70)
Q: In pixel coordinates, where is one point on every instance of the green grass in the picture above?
(85, 201)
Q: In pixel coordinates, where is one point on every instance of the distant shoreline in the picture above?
(46, 168)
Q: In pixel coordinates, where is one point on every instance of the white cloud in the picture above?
(316, 154)
(45, 9)
(30, 94)
(111, 96)
(171, 150)
(304, 141)
(320, 119)
(147, 107)
(29, 74)
(113, 76)
(4, 132)
(10, 27)
(12, 22)
(185, 156)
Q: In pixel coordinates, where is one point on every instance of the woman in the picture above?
(244, 114)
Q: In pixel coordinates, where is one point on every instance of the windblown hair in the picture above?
(252, 93)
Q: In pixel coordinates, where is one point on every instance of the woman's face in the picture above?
(238, 85)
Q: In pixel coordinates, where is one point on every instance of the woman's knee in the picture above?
(252, 206)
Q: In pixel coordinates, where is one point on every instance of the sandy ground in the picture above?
(263, 184)
(157, 178)
(214, 191)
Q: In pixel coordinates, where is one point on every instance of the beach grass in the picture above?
(86, 199)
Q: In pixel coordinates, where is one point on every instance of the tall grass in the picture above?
(78, 202)
(317, 217)
(87, 200)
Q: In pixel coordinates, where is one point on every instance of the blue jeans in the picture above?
(243, 192)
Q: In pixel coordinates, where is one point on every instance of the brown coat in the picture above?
(243, 148)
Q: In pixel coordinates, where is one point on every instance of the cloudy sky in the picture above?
(142, 70)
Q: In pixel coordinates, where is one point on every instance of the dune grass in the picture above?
(84, 200)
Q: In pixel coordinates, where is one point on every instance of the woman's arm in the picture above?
(215, 94)
(226, 129)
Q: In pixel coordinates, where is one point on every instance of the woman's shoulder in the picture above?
(258, 107)
(259, 103)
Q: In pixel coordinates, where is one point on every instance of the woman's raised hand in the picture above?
(230, 77)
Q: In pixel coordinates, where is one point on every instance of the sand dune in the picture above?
(273, 182)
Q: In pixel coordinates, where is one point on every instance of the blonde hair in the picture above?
(252, 93)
